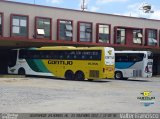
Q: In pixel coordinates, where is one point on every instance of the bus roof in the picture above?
(129, 51)
(64, 48)
(70, 48)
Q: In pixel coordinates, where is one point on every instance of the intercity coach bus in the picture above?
(133, 64)
(73, 63)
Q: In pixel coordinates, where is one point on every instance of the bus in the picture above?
(133, 64)
(72, 63)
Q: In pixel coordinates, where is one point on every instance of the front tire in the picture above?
(21, 71)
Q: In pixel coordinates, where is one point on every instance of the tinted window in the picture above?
(61, 54)
(129, 57)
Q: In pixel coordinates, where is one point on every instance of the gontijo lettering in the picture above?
(60, 62)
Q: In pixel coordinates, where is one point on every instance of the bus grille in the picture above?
(94, 73)
(137, 73)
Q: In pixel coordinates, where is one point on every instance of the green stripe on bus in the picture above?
(41, 66)
(37, 65)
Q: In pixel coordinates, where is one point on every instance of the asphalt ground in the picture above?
(49, 95)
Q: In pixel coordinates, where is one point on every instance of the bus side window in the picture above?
(132, 58)
(22, 54)
(35, 55)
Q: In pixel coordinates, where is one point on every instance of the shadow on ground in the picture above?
(55, 78)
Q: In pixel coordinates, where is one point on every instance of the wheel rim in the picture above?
(118, 75)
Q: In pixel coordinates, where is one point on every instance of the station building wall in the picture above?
(35, 22)
(10, 10)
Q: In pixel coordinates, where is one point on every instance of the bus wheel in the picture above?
(118, 75)
(79, 76)
(69, 75)
(21, 71)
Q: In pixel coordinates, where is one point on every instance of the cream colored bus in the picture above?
(72, 63)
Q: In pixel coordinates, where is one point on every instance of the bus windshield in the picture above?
(150, 55)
